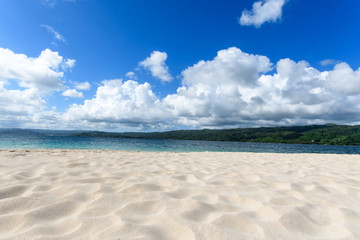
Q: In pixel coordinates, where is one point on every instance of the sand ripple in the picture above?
(65, 194)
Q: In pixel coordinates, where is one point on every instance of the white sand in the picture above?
(65, 194)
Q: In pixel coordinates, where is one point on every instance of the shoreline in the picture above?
(140, 151)
(95, 194)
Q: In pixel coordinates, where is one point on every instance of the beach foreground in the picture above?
(81, 194)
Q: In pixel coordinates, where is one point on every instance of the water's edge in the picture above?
(14, 141)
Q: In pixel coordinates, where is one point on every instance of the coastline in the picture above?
(94, 194)
(55, 140)
(157, 151)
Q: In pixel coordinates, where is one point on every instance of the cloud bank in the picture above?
(234, 89)
(262, 11)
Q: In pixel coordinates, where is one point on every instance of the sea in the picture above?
(30, 139)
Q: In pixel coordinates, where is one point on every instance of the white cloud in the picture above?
(82, 85)
(233, 90)
(17, 107)
(214, 92)
(57, 35)
(131, 75)
(122, 103)
(68, 64)
(229, 66)
(43, 73)
(343, 80)
(328, 62)
(262, 11)
(156, 64)
(73, 93)
(298, 81)
(35, 78)
(20, 102)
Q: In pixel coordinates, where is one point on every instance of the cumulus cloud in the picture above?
(214, 92)
(82, 85)
(127, 103)
(262, 11)
(68, 64)
(57, 35)
(343, 80)
(17, 107)
(73, 93)
(156, 65)
(295, 94)
(20, 102)
(43, 73)
(230, 66)
(35, 78)
(131, 75)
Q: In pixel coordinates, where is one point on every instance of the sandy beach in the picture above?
(81, 194)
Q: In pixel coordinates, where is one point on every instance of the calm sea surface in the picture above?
(45, 141)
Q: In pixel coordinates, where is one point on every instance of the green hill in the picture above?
(328, 134)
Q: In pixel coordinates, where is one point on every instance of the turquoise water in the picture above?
(56, 140)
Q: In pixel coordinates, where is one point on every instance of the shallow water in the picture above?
(19, 140)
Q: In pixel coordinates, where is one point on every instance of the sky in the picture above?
(139, 65)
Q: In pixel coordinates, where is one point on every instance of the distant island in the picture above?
(329, 134)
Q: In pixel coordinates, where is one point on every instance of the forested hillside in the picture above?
(329, 134)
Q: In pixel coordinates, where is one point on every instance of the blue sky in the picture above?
(159, 65)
